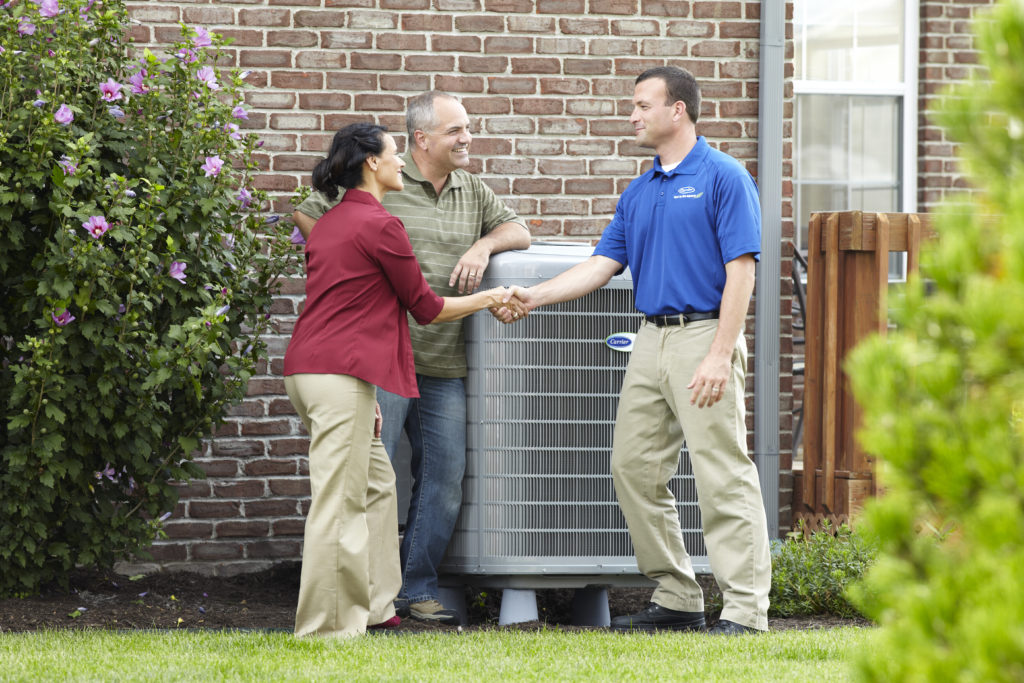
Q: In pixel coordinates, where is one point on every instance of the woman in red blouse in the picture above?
(353, 336)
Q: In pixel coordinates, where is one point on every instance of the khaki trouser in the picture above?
(350, 568)
(653, 417)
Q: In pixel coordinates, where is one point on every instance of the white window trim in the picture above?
(907, 91)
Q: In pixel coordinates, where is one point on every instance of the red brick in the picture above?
(169, 552)
(540, 147)
(564, 86)
(491, 146)
(542, 228)
(717, 10)
(274, 183)
(538, 106)
(562, 126)
(270, 508)
(434, 63)
(585, 226)
(735, 29)
(468, 64)
(614, 47)
(351, 81)
(346, 40)
(720, 129)
(561, 46)
(289, 487)
(535, 65)
(534, 25)
(617, 167)
(238, 448)
(324, 100)
(315, 19)
(273, 550)
(613, 6)
(194, 489)
(293, 162)
(239, 489)
(213, 510)
(289, 527)
(157, 15)
(511, 125)
(297, 80)
(458, 5)
(587, 67)
(402, 41)
(635, 27)
(263, 387)
(561, 7)
(291, 38)
(243, 38)
(507, 45)
(589, 186)
(486, 105)
(444, 43)
(405, 4)
(578, 207)
(536, 186)
(480, 24)
(738, 69)
(216, 551)
(518, 166)
(585, 27)
(265, 17)
(266, 58)
(426, 22)
(615, 127)
(250, 528)
(508, 6)
(666, 8)
(376, 62)
(270, 466)
(247, 409)
(458, 84)
(561, 167)
(500, 186)
(372, 20)
(219, 468)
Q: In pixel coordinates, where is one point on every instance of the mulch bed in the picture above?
(266, 600)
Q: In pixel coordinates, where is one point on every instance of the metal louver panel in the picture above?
(538, 493)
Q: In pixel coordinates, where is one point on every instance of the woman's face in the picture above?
(388, 171)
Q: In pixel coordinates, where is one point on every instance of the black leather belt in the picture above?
(681, 319)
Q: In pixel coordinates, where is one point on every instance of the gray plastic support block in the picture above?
(517, 606)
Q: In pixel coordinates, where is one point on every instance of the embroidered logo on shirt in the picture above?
(688, 193)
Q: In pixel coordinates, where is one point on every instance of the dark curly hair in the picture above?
(343, 165)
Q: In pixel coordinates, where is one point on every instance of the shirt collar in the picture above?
(690, 164)
(412, 171)
(360, 196)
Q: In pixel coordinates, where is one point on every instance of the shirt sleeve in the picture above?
(494, 210)
(613, 240)
(317, 204)
(737, 215)
(393, 252)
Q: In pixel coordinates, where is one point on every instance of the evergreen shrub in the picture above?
(943, 403)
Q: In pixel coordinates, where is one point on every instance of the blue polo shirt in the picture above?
(676, 230)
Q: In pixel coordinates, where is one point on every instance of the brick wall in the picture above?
(547, 84)
(947, 54)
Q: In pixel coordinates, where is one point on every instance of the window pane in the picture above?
(823, 137)
(874, 135)
(816, 199)
(839, 40)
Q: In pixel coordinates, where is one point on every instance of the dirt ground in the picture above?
(266, 600)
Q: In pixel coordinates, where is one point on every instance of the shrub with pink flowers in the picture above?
(137, 264)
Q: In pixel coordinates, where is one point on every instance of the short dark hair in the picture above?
(681, 86)
(343, 165)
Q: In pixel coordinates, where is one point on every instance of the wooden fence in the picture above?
(847, 285)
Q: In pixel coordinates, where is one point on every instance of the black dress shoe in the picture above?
(658, 618)
(724, 627)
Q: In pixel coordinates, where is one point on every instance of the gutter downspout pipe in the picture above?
(768, 302)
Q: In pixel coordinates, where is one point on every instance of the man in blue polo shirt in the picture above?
(690, 231)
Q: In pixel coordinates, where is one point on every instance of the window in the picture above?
(855, 109)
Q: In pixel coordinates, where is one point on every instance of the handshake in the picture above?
(510, 304)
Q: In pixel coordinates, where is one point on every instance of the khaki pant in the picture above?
(653, 418)
(350, 566)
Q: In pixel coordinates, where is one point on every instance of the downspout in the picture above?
(767, 308)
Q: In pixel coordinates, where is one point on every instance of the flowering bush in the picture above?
(136, 269)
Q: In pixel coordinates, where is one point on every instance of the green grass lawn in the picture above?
(789, 656)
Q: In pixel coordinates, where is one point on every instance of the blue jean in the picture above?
(436, 426)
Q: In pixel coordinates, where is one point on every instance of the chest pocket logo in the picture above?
(688, 192)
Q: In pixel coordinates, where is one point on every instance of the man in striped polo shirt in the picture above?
(455, 222)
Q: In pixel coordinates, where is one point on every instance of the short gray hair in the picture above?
(420, 115)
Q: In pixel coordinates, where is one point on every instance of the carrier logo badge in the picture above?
(620, 341)
(688, 193)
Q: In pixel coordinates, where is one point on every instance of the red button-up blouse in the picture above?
(361, 277)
